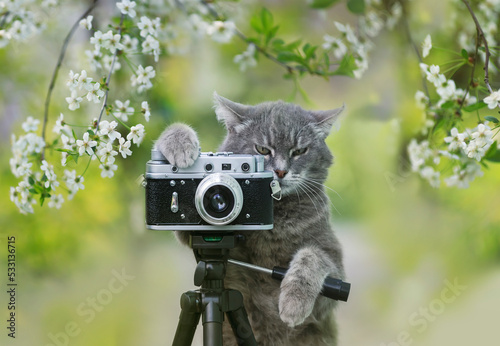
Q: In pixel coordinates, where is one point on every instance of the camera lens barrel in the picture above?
(219, 199)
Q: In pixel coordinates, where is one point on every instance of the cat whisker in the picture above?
(325, 186)
(303, 189)
(317, 187)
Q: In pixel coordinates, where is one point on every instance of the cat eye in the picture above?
(262, 150)
(298, 152)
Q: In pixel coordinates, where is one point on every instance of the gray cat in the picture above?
(293, 142)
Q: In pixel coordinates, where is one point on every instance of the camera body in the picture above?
(219, 192)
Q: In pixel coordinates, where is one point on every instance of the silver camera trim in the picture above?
(219, 179)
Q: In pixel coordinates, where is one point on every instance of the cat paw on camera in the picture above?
(179, 144)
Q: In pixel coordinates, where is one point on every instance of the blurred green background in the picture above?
(90, 274)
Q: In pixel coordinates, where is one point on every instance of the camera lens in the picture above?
(218, 203)
(219, 199)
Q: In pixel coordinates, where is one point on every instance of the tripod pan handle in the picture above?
(332, 288)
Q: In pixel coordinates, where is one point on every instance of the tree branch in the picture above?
(58, 67)
(481, 37)
(478, 39)
(417, 52)
(105, 103)
(243, 37)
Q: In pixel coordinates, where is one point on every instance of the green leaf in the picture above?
(347, 66)
(291, 46)
(271, 34)
(318, 4)
(326, 61)
(289, 57)
(278, 44)
(309, 51)
(356, 6)
(256, 24)
(474, 107)
(492, 119)
(493, 154)
(267, 19)
(448, 104)
(465, 54)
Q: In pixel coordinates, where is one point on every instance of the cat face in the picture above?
(291, 139)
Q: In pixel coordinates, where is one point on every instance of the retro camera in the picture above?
(220, 191)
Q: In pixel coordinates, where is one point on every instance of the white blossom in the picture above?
(421, 99)
(221, 32)
(493, 99)
(107, 154)
(97, 40)
(247, 58)
(86, 23)
(5, 38)
(30, 124)
(49, 174)
(456, 140)
(142, 78)
(430, 175)
(94, 57)
(395, 15)
(108, 170)
(198, 25)
(107, 128)
(338, 48)
(372, 24)
(86, 145)
(56, 201)
(127, 7)
(483, 135)
(60, 126)
(463, 176)
(95, 94)
(146, 27)
(447, 90)
(145, 110)
(426, 46)
(124, 148)
(130, 44)
(136, 134)
(111, 41)
(151, 45)
(418, 154)
(122, 110)
(347, 33)
(73, 182)
(434, 76)
(73, 101)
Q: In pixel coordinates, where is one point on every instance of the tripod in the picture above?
(212, 300)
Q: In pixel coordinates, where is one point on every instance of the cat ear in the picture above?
(230, 113)
(326, 119)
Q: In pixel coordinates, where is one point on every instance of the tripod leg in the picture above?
(212, 325)
(188, 320)
(238, 319)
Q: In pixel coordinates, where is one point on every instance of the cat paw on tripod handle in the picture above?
(303, 283)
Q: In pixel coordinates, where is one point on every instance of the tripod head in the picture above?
(211, 252)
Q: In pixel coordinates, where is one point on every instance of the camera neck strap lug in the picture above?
(276, 190)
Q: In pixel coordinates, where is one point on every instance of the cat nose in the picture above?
(281, 174)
